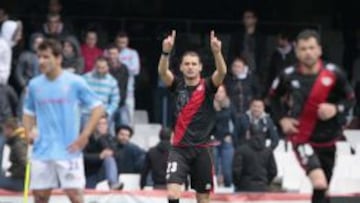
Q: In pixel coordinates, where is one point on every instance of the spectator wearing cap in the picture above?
(156, 161)
(129, 156)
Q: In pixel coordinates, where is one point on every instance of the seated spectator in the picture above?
(54, 27)
(90, 51)
(105, 86)
(257, 121)
(129, 157)
(13, 179)
(120, 72)
(28, 63)
(156, 161)
(224, 151)
(3, 15)
(241, 86)
(283, 56)
(10, 35)
(8, 102)
(254, 166)
(99, 158)
(72, 59)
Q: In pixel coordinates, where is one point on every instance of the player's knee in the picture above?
(318, 179)
(40, 198)
(320, 184)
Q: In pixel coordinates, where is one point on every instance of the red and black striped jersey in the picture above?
(194, 112)
(297, 95)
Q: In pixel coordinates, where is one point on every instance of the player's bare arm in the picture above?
(29, 124)
(216, 45)
(165, 74)
(83, 139)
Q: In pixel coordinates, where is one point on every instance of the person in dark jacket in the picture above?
(99, 158)
(156, 161)
(13, 179)
(241, 85)
(250, 43)
(283, 56)
(254, 166)
(72, 58)
(224, 151)
(54, 27)
(28, 64)
(8, 102)
(129, 157)
(120, 72)
(256, 121)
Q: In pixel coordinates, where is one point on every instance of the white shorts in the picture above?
(65, 174)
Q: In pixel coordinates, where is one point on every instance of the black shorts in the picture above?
(311, 158)
(196, 162)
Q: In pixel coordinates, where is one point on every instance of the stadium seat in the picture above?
(343, 148)
(352, 136)
(293, 174)
(141, 117)
(131, 181)
(146, 135)
(103, 186)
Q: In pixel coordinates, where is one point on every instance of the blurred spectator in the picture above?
(54, 27)
(72, 58)
(254, 166)
(223, 134)
(120, 72)
(257, 122)
(104, 85)
(283, 56)
(28, 64)
(156, 161)
(356, 122)
(250, 43)
(55, 7)
(8, 102)
(99, 158)
(10, 35)
(129, 157)
(13, 179)
(241, 86)
(3, 16)
(90, 51)
(131, 59)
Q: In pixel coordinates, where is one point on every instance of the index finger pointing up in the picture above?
(212, 34)
(173, 33)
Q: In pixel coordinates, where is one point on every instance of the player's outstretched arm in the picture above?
(219, 75)
(165, 74)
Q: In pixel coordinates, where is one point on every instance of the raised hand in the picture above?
(168, 42)
(215, 43)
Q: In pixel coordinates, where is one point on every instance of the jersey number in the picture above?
(172, 167)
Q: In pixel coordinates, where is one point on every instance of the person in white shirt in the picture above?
(131, 59)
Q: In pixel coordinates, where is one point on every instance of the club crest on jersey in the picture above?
(326, 81)
(200, 87)
(295, 84)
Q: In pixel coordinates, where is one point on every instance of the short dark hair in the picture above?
(250, 11)
(121, 34)
(112, 46)
(307, 34)
(101, 58)
(191, 53)
(240, 58)
(165, 134)
(255, 99)
(52, 44)
(124, 127)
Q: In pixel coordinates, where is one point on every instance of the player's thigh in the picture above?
(203, 197)
(310, 162)
(177, 167)
(75, 195)
(327, 160)
(42, 196)
(43, 176)
(71, 173)
(202, 171)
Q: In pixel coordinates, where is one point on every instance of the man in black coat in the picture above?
(156, 161)
(254, 166)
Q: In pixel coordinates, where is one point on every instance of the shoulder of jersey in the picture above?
(332, 67)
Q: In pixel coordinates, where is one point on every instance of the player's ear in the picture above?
(201, 67)
(320, 49)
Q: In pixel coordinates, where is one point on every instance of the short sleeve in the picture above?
(86, 96)
(29, 102)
